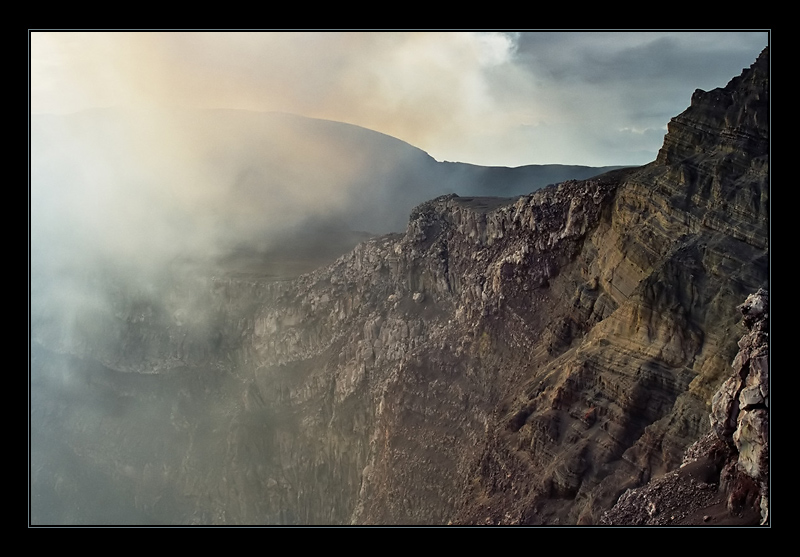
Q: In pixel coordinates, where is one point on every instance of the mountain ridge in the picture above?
(310, 167)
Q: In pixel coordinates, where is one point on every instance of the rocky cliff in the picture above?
(504, 361)
(724, 476)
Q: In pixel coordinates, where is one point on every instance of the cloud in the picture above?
(612, 80)
(457, 95)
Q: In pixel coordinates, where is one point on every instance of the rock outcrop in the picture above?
(504, 361)
(724, 477)
(740, 414)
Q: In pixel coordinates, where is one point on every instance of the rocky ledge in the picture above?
(724, 478)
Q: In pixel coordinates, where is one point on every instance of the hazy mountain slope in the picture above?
(226, 167)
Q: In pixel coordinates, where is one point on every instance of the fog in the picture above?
(153, 184)
(489, 98)
(137, 364)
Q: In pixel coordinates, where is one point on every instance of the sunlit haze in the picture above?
(489, 98)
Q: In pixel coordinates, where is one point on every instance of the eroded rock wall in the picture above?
(724, 476)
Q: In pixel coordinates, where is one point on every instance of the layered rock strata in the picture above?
(724, 477)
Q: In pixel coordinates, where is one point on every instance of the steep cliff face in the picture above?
(724, 476)
(686, 240)
(505, 361)
(411, 341)
(528, 360)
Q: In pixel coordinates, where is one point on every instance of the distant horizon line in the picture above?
(162, 107)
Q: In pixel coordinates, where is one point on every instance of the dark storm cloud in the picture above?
(592, 89)
(613, 56)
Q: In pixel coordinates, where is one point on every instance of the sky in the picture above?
(490, 98)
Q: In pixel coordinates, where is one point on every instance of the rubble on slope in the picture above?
(724, 479)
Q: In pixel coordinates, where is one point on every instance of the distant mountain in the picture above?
(470, 179)
(253, 174)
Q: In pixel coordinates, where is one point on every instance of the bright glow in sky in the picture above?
(508, 99)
